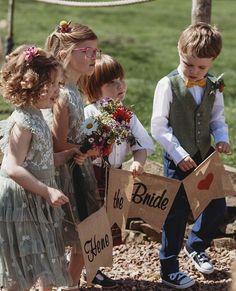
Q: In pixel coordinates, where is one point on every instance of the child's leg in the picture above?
(203, 230)
(42, 288)
(45, 288)
(175, 224)
(75, 266)
(173, 233)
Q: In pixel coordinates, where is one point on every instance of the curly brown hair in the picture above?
(201, 39)
(23, 81)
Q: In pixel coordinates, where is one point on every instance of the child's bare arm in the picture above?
(60, 127)
(60, 132)
(139, 157)
(18, 148)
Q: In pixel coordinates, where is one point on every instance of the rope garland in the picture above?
(94, 4)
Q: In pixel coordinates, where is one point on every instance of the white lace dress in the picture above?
(31, 243)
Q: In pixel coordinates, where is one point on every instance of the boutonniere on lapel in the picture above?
(217, 83)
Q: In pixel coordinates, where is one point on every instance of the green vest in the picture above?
(191, 122)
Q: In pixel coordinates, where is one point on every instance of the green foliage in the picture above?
(142, 37)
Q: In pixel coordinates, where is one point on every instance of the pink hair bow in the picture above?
(30, 53)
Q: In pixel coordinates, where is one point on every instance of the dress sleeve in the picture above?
(6, 126)
(5, 129)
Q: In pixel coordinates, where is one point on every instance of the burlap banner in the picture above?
(96, 241)
(152, 198)
(208, 181)
(119, 193)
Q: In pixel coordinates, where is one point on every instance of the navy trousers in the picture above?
(203, 230)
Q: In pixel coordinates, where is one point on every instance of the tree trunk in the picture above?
(201, 11)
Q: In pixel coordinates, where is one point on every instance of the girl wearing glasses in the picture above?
(75, 46)
(31, 242)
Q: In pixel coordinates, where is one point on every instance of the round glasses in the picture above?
(90, 52)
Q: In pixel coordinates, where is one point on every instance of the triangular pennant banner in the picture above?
(96, 241)
(208, 181)
(152, 198)
(119, 193)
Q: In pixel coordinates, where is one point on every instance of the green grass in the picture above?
(143, 38)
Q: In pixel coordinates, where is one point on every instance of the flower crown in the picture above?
(33, 52)
(64, 27)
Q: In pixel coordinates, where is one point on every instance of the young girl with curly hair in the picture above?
(31, 243)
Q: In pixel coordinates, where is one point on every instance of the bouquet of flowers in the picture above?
(111, 126)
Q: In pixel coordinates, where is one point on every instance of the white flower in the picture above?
(89, 125)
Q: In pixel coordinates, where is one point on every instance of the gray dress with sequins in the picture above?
(31, 242)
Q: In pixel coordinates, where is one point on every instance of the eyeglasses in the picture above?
(90, 52)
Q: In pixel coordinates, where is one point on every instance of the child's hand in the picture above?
(80, 158)
(94, 153)
(224, 147)
(136, 168)
(187, 164)
(55, 197)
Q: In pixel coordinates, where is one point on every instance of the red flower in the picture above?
(107, 150)
(122, 114)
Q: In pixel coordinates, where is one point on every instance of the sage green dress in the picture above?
(77, 182)
(31, 242)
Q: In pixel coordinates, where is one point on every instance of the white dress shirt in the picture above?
(163, 133)
(117, 156)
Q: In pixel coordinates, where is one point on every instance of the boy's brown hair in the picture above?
(202, 40)
(106, 70)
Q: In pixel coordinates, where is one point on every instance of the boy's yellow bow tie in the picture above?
(200, 83)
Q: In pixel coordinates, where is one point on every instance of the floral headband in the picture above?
(64, 27)
(33, 52)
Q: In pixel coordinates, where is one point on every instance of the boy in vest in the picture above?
(188, 108)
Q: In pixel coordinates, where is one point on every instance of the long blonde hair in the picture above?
(60, 40)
